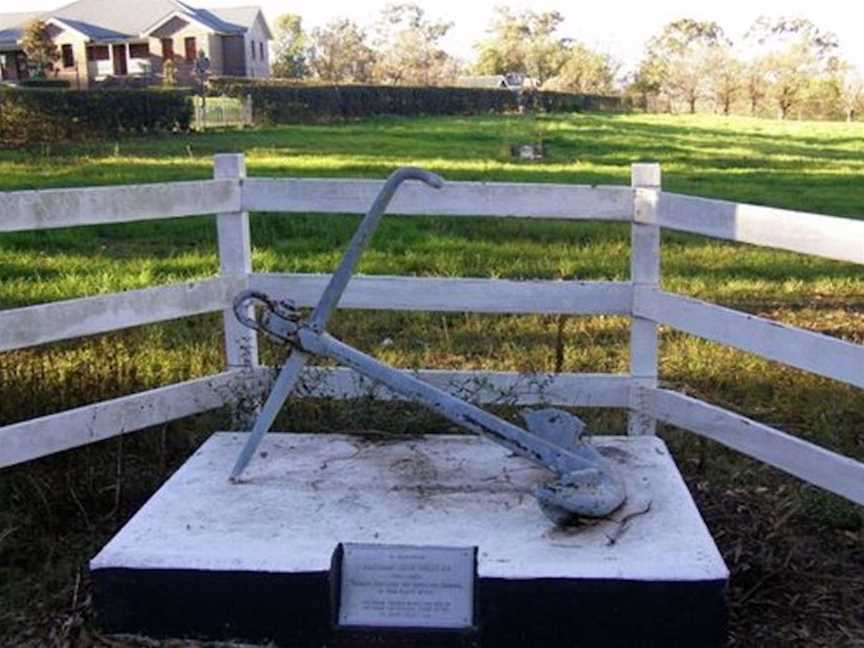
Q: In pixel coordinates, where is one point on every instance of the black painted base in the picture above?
(294, 610)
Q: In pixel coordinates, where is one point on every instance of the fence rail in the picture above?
(805, 460)
(498, 200)
(483, 387)
(230, 196)
(840, 239)
(64, 320)
(813, 352)
(457, 295)
(50, 208)
(78, 427)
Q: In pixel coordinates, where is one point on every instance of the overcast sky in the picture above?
(620, 27)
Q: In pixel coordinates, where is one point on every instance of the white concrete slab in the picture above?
(306, 493)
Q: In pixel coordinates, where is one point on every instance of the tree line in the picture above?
(781, 67)
(404, 47)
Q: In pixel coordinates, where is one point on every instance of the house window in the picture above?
(167, 49)
(261, 50)
(98, 53)
(191, 49)
(68, 56)
(139, 50)
(253, 50)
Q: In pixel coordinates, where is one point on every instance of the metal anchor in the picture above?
(587, 484)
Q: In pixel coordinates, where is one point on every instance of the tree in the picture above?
(409, 48)
(755, 83)
(853, 94)
(339, 53)
(40, 49)
(647, 83)
(523, 43)
(679, 58)
(798, 53)
(726, 74)
(790, 73)
(169, 73)
(850, 89)
(290, 48)
(584, 71)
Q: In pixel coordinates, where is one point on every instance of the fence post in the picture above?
(644, 273)
(235, 259)
(247, 108)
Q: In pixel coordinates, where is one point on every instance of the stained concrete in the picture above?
(304, 494)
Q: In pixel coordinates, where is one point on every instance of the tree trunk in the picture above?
(692, 105)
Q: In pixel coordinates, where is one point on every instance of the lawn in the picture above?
(795, 552)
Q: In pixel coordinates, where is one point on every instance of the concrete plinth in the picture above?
(206, 558)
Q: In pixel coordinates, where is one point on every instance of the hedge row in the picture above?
(45, 83)
(32, 116)
(279, 102)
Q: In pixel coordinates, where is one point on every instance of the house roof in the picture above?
(244, 17)
(488, 81)
(12, 25)
(91, 31)
(102, 20)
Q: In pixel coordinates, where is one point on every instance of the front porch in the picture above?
(13, 64)
(118, 59)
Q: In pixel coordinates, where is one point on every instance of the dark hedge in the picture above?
(32, 116)
(278, 102)
(44, 83)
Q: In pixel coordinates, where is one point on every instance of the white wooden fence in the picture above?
(231, 196)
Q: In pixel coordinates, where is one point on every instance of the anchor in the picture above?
(587, 485)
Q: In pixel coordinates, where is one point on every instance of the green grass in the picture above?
(817, 167)
(807, 166)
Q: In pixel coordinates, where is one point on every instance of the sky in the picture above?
(619, 27)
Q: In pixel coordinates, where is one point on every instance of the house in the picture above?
(512, 81)
(128, 39)
(488, 82)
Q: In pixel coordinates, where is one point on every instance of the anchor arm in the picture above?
(290, 372)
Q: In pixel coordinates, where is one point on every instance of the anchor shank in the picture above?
(339, 281)
(560, 460)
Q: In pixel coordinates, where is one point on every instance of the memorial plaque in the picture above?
(400, 586)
